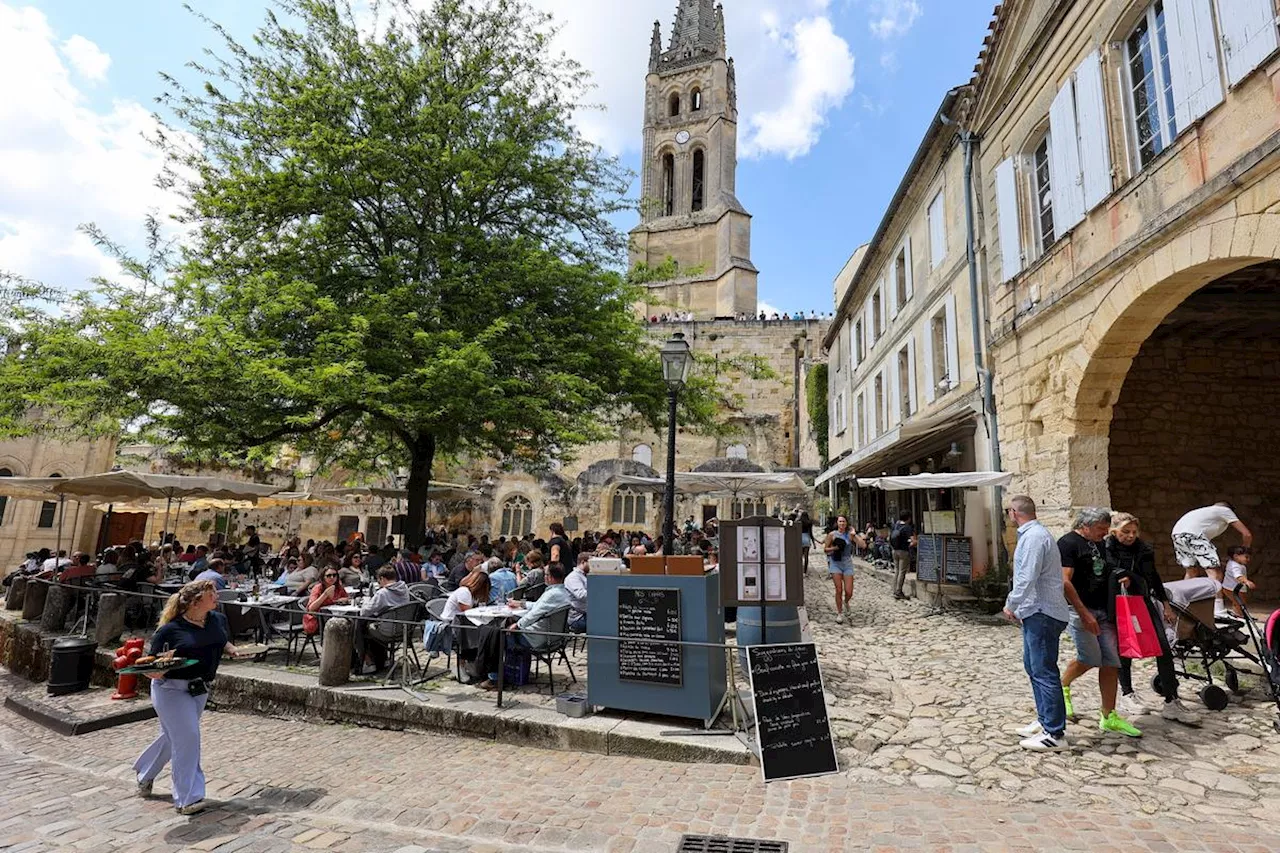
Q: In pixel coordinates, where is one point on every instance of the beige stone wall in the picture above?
(45, 457)
(1186, 433)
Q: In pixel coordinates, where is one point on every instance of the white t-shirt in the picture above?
(1208, 521)
(1236, 572)
(460, 597)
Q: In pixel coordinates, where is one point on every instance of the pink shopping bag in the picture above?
(1134, 628)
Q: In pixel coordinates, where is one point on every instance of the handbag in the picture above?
(1135, 629)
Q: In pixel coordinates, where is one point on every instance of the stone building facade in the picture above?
(904, 387)
(1129, 178)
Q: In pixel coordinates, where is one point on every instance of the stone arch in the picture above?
(1092, 373)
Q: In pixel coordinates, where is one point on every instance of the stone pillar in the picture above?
(17, 593)
(335, 653)
(56, 607)
(33, 601)
(110, 619)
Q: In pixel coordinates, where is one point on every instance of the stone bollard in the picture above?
(335, 653)
(33, 602)
(56, 607)
(110, 619)
(17, 593)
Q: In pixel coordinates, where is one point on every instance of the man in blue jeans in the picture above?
(1038, 603)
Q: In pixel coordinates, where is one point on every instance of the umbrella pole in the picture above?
(164, 527)
(288, 525)
(62, 506)
(177, 518)
(105, 535)
(75, 524)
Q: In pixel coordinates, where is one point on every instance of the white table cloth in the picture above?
(489, 612)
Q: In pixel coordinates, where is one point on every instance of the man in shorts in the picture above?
(1092, 625)
(1193, 537)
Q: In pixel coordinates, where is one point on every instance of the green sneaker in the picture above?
(1071, 710)
(1113, 722)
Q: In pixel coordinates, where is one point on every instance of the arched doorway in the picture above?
(1194, 421)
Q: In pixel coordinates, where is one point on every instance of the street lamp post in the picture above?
(677, 358)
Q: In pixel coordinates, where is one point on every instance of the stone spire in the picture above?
(720, 39)
(655, 47)
(697, 29)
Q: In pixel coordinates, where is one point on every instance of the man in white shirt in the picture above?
(55, 563)
(576, 585)
(1193, 537)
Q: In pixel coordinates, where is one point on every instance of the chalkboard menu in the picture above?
(928, 558)
(792, 728)
(958, 560)
(650, 614)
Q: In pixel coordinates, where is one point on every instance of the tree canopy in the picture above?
(394, 243)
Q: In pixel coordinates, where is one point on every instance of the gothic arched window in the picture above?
(736, 451)
(629, 508)
(699, 178)
(668, 184)
(673, 104)
(643, 454)
(517, 516)
(695, 100)
(4, 502)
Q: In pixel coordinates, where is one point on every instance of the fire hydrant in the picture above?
(127, 685)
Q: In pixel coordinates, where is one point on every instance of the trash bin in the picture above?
(71, 665)
(783, 627)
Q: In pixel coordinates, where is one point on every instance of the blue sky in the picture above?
(834, 96)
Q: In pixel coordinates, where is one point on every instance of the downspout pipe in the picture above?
(986, 379)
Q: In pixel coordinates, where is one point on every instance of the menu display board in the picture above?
(929, 557)
(649, 614)
(958, 559)
(792, 727)
(760, 563)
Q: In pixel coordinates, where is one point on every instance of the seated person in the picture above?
(473, 591)
(470, 564)
(538, 618)
(575, 584)
(328, 591)
(352, 571)
(371, 639)
(108, 565)
(298, 579)
(534, 569)
(1236, 574)
(214, 572)
(435, 566)
(502, 580)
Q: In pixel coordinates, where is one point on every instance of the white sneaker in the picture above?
(1044, 743)
(1176, 712)
(1031, 730)
(1131, 706)
(839, 618)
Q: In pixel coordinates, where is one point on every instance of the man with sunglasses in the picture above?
(1038, 603)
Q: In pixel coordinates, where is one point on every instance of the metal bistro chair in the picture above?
(426, 591)
(557, 623)
(445, 640)
(391, 634)
(288, 628)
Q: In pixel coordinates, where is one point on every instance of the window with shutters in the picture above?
(862, 419)
(901, 279)
(1042, 188)
(628, 508)
(906, 384)
(1150, 82)
(517, 516)
(879, 403)
(860, 343)
(937, 230)
(877, 318)
(939, 349)
(839, 415)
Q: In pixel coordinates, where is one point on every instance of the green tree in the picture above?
(819, 412)
(396, 245)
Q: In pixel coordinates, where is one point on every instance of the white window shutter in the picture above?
(930, 381)
(953, 342)
(1248, 32)
(1193, 60)
(853, 343)
(891, 292)
(906, 252)
(895, 401)
(1064, 160)
(868, 330)
(885, 312)
(911, 374)
(1007, 211)
(1091, 114)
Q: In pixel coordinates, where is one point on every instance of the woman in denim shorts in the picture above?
(839, 547)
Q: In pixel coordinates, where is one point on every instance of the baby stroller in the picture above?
(1267, 642)
(1198, 637)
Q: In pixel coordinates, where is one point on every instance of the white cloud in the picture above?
(791, 67)
(821, 76)
(893, 18)
(86, 58)
(63, 163)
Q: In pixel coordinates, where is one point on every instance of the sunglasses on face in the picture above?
(330, 576)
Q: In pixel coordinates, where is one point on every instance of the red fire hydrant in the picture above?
(127, 685)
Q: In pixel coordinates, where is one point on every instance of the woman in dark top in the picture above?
(806, 539)
(190, 627)
(561, 551)
(1134, 571)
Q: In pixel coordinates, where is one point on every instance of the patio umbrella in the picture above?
(724, 483)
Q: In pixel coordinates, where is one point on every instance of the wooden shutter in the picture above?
(1064, 160)
(1007, 211)
(953, 342)
(911, 374)
(1247, 29)
(906, 253)
(1193, 59)
(930, 381)
(895, 388)
(1091, 119)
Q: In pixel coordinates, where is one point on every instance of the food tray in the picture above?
(159, 666)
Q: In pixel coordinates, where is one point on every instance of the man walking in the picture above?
(1038, 603)
(900, 541)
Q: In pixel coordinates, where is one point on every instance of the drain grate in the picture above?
(724, 844)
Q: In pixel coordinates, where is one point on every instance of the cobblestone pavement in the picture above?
(933, 703)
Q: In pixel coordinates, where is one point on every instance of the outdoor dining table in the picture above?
(489, 612)
(342, 609)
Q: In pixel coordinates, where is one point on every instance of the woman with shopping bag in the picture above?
(1141, 612)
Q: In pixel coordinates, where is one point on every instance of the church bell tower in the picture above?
(689, 211)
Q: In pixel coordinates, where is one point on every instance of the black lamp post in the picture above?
(677, 358)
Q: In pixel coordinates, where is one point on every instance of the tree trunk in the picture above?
(422, 455)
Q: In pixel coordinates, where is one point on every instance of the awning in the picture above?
(435, 492)
(28, 488)
(905, 443)
(960, 480)
(725, 483)
(126, 485)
